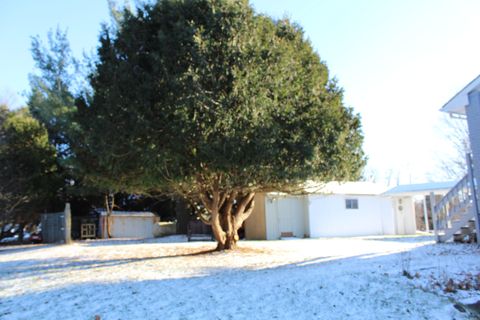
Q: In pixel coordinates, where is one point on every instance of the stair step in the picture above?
(463, 238)
(458, 237)
(458, 230)
(455, 214)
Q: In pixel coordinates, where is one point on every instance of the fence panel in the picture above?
(57, 227)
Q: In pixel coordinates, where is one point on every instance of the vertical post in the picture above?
(473, 119)
(434, 215)
(473, 189)
(182, 215)
(45, 231)
(425, 213)
(104, 225)
(68, 224)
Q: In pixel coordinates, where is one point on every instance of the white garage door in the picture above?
(331, 216)
(285, 217)
(132, 227)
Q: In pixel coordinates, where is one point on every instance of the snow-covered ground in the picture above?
(341, 278)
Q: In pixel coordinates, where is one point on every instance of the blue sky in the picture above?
(398, 61)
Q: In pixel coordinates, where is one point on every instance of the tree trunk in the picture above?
(228, 212)
(109, 204)
(230, 241)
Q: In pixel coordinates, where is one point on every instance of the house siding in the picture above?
(132, 227)
(329, 217)
(255, 225)
(473, 119)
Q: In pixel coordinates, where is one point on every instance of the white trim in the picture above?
(457, 104)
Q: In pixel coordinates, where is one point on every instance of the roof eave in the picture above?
(415, 193)
(458, 103)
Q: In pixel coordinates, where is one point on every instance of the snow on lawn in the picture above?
(169, 278)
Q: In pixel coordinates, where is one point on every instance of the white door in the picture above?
(291, 217)
(400, 216)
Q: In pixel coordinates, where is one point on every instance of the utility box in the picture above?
(57, 227)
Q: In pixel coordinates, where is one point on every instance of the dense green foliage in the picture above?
(58, 79)
(51, 100)
(192, 93)
(28, 170)
(203, 98)
(209, 100)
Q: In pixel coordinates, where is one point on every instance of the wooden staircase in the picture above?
(454, 216)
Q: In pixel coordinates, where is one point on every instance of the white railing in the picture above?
(452, 204)
(456, 208)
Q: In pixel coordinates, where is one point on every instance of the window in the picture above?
(351, 203)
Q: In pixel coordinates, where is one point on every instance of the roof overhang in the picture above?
(416, 193)
(459, 102)
(347, 188)
(420, 189)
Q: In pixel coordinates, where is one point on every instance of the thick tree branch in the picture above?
(215, 220)
(228, 204)
(249, 210)
(200, 216)
(223, 197)
(243, 204)
(243, 212)
(206, 201)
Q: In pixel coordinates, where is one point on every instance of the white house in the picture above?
(466, 104)
(458, 212)
(404, 199)
(338, 210)
(332, 209)
(350, 209)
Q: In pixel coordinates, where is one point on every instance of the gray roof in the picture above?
(103, 212)
(421, 187)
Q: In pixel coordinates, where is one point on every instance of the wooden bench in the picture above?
(199, 231)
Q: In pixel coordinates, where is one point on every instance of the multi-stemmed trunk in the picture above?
(109, 205)
(228, 210)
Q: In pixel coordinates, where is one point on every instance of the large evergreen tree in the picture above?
(59, 79)
(28, 171)
(53, 88)
(211, 101)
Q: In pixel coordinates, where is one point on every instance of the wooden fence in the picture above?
(57, 227)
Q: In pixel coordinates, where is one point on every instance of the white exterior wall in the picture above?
(285, 214)
(388, 216)
(405, 222)
(132, 226)
(473, 120)
(328, 216)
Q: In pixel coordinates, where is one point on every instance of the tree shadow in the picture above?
(21, 248)
(50, 266)
(132, 241)
(403, 239)
(309, 289)
(56, 265)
